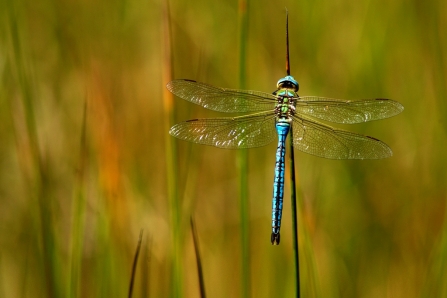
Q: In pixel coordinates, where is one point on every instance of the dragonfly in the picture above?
(270, 116)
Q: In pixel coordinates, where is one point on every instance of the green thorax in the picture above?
(286, 97)
(286, 102)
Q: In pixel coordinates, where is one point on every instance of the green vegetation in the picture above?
(86, 160)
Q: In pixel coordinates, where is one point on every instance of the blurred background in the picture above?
(86, 161)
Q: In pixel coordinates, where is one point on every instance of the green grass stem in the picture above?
(134, 265)
(243, 156)
(294, 216)
(171, 158)
(145, 280)
(195, 239)
(38, 178)
(78, 214)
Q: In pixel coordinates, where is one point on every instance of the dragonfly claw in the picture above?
(275, 238)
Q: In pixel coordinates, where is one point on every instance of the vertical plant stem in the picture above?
(294, 215)
(37, 175)
(171, 157)
(145, 280)
(435, 285)
(78, 220)
(195, 238)
(134, 265)
(243, 157)
(293, 181)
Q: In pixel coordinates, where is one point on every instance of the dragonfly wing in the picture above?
(232, 133)
(221, 99)
(346, 111)
(324, 141)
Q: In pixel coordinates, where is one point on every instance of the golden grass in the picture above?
(86, 161)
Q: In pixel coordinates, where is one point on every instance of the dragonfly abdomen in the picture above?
(282, 128)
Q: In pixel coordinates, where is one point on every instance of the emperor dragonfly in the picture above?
(274, 114)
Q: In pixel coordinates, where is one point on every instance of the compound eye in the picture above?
(288, 82)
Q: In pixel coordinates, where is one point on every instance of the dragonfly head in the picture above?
(288, 82)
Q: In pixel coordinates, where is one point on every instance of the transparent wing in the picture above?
(346, 111)
(240, 132)
(221, 99)
(324, 141)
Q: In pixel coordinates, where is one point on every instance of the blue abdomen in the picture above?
(282, 128)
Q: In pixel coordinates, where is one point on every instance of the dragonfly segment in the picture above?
(273, 114)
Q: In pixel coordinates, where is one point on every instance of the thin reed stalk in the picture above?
(134, 265)
(78, 219)
(195, 239)
(294, 216)
(293, 181)
(36, 172)
(145, 280)
(243, 156)
(171, 158)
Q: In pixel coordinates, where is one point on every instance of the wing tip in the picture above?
(399, 107)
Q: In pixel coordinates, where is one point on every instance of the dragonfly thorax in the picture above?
(285, 106)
